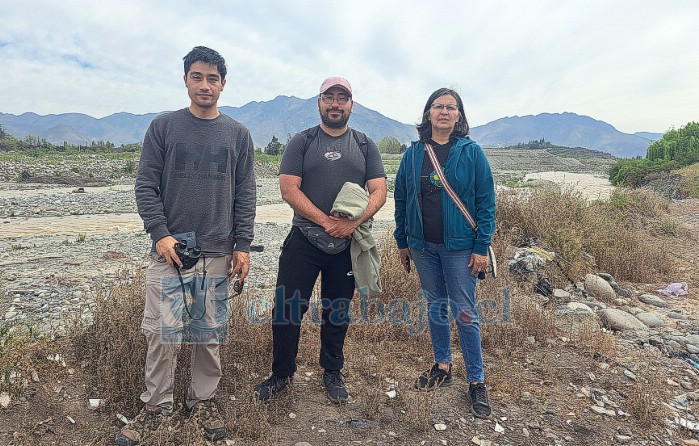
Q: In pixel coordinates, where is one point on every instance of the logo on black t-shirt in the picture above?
(333, 156)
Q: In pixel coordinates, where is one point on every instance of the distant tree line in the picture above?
(677, 148)
(35, 145)
(389, 144)
(533, 145)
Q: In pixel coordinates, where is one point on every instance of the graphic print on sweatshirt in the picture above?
(201, 162)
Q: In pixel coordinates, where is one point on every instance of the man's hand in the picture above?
(240, 264)
(165, 247)
(405, 257)
(341, 227)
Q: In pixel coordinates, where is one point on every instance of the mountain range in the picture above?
(286, 115)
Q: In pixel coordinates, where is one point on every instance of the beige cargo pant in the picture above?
(164, 328)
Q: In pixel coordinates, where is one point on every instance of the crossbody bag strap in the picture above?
(443, 178)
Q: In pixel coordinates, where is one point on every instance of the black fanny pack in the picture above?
(324, 241)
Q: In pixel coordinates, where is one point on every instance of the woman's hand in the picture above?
(478, 263)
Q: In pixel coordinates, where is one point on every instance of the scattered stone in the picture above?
(603, 411)
(619, 320)
(94, 403)
(578, 307)
(652, 300)
(122, 418)
(650, 319)
(355, 422)
(561, 294)
(623, 439)
(5, 400)
(440, 427)
(676, 314)
(687, 424)
(599, 288)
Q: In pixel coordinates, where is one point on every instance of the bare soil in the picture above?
(537, 390)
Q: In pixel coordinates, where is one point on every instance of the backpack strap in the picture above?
(309, 135)
(362, 142)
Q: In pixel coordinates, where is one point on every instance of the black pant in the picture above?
(299, 265)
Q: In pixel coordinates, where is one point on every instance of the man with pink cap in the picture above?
(316, 164)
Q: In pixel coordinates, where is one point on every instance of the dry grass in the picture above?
(606, 236)
(388, 343)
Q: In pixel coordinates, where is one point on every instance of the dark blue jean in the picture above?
(299, 265)
(447, 281)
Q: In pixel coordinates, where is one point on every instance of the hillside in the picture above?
(281, 116)
(563, 129)
(286, 115)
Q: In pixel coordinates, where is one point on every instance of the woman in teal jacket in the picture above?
(447, 253)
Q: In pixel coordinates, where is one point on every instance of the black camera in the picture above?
(188, 256)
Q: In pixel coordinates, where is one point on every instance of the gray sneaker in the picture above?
(147, 421)
(206, 413)
(335, 386)
(272, 387)
(478, 399)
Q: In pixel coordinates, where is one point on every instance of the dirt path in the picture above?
(75, 225)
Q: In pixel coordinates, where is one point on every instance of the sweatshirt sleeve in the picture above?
(148, 198)
(245, 198)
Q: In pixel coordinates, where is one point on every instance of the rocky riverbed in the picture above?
(60, 244)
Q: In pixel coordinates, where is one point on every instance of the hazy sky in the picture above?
(631, 63)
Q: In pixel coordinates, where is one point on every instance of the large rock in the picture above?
(650, 319)
(618, 320)
(599, 288)
(652, 300)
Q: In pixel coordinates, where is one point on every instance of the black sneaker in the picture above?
(433, 378)
(206, 413)
(272, 387)
(478, 398)
(335, 386)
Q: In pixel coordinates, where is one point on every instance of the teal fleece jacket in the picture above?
(468, 171)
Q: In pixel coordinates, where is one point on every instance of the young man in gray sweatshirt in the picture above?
(195, 176)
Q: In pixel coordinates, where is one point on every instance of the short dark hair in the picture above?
(206, 55)
(424, 128)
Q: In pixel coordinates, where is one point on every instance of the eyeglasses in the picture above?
(328, 99)
(451, 108)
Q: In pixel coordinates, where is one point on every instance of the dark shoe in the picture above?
(147, 420)
(478, 398)
(433, 378)
(209, 418)
(272, 387)
(335, 386)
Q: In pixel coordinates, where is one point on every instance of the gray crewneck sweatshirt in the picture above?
(198, 175)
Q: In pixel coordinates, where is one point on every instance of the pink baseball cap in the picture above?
(335, 82)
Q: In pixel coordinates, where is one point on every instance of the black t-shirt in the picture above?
(431, 194)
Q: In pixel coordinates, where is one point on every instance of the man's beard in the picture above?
(334, 124)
